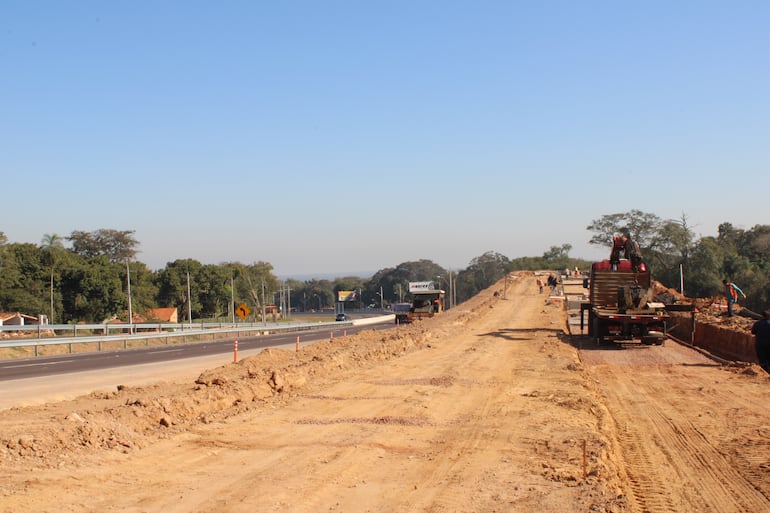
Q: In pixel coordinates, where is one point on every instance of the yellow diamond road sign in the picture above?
(243, 311)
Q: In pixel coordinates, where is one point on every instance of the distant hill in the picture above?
(326, 276)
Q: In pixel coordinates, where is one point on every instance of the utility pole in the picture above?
(232, 298)
(128, 289)
(51, 320)
(264, 319)
(189, 299)
(288, 301)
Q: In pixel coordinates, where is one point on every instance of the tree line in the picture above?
(89, 280)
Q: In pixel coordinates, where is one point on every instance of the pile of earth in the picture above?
(710, 310)
(133, 417)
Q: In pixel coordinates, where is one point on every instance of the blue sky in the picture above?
(344, 137)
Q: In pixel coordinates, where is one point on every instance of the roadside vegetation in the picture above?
(86, 276)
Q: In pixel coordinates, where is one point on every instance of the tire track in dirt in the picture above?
(672, 465)
(482, 410)
(752, 458)
(436, 465)
(480, 436)
(445, 485)
(448, 469)
(721, 485)
(632, 428)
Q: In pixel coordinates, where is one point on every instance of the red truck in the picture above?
(621, 306)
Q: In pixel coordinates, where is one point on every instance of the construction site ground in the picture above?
(490, 407)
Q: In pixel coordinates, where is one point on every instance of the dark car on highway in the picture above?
(341, 317)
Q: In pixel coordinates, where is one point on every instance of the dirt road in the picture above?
(489, 407)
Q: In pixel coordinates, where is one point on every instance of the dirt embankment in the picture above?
(489, 407)
(707, 326)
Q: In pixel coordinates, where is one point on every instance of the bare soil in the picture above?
(489, 407)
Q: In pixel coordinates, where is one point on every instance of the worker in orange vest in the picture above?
(731, 294)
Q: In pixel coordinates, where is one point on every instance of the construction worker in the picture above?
(632, 251)
(617, 246)
(731, 294)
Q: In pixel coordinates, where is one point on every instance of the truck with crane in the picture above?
(621, 304)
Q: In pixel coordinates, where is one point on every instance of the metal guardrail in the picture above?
(120, 328)
(146, 332)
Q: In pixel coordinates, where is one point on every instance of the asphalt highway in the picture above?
(82, 362)
(49, 379)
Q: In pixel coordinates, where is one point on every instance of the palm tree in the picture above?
(51, 244)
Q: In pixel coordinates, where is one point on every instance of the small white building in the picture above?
(18, 319)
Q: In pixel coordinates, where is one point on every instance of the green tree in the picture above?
(3, 272)
(703, 275)
(3, 242)
(481, 273)
(214, 293)
(256, 285)
(172, 285)
(666, 244)
(734, 261)
(320, 294)
(749, 265)
(297, 294)
(144, 291)
(116, 245)
(642, 226)
(557, 257)
(728, 236)
(756, 246)
(670, 248)
(393, 282)
(92, 290)
(24, 280)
